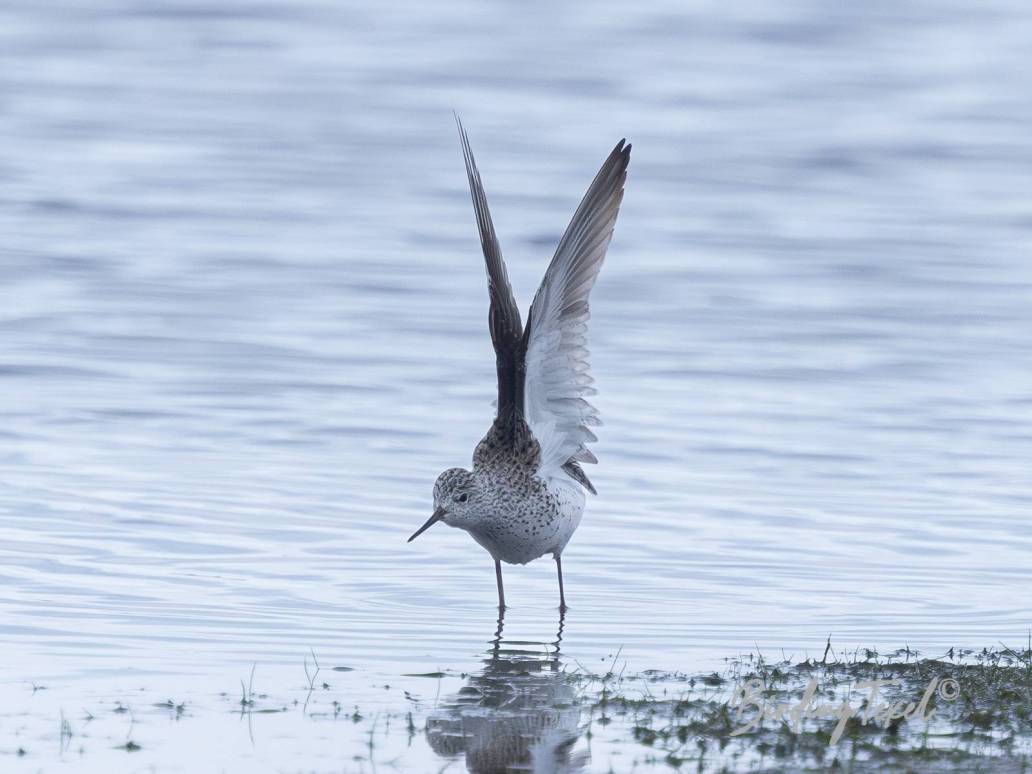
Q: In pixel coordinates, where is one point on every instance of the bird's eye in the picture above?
(461, 497)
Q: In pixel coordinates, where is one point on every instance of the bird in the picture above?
(525, 494)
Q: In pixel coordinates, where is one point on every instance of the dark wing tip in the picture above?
(619, 158)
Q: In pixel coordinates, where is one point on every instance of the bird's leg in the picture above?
(562, 596)
(501, 591)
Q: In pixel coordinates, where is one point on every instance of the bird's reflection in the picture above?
(518, 713)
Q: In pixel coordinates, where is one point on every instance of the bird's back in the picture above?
(526, 516)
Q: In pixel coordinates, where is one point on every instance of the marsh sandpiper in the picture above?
(525, 495)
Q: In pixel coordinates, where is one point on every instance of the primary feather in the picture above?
(558, 379)
(504, 314)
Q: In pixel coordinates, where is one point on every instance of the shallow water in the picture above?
(242, 328)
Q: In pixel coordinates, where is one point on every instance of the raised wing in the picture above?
(558, 380)
(504, 316)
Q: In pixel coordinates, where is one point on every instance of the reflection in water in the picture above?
(519, 713)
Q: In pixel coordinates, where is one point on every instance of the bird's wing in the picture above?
(504, 316)
(557, 369)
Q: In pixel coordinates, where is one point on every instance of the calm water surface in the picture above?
(243, 327)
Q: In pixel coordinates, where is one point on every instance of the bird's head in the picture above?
(455, 501)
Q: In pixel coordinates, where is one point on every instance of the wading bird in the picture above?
(525, 495)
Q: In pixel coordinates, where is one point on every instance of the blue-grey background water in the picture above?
(243, 327)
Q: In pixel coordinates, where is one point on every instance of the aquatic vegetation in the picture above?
(530, 707)
(984, 719)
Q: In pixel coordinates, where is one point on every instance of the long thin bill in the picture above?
(438, 515)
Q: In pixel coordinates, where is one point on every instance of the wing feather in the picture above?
(504, 315)
(558, 378)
